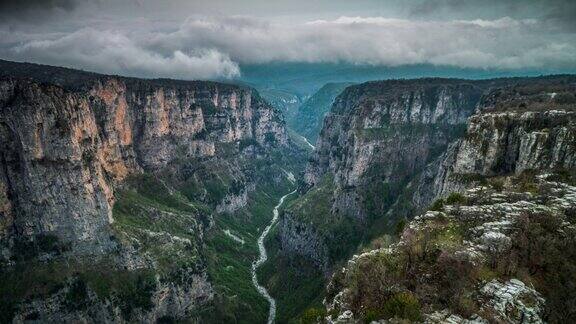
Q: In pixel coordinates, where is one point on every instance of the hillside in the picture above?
(310, 115)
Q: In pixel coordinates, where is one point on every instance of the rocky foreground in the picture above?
(503, 252)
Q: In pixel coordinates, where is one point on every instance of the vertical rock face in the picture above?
(83, 163)
(64, 148)
(522, 128)
(55, 169)
(300, 239)
(385, 131)
(392, 147)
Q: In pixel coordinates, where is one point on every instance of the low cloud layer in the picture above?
(213, 47)
(114, 52)
(503, 43)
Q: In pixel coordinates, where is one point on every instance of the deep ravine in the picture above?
(263, 257)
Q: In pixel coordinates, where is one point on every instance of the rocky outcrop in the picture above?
(428, 275)
(512, 133)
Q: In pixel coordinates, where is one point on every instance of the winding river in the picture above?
(263, 257)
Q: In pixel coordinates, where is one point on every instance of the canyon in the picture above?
(157, 200)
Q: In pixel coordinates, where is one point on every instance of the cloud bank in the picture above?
(213, 47)
(114, 52)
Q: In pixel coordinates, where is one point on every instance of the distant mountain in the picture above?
(303, 79)
(285, 101)
(308, 119)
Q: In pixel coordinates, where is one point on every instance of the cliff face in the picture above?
(517, 128)
(82, 162)
(376, 137)
(63, 151)
(384, 132)
(393, 147)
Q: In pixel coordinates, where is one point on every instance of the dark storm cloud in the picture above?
(199, 39)
(33, 9)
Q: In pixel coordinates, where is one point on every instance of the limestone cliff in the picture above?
(386, 131)
(64, 149)
(390, 148)
(375, 138)
(517, 128)
(103, 179)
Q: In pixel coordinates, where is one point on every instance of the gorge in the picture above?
(157, 200)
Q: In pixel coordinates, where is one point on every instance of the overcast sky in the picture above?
(193, 39)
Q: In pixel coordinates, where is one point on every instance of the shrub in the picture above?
(312, 315)
(77, 296)
(564, 175)
(438, 205)
(497, 184)
(400, 227)
(526, 182)
(456, 198)
(402, 305)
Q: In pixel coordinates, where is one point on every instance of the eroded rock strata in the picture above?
(105, 177)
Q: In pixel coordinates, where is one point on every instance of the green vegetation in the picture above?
(160, 222)
(426, 270)
(315, 204)
(409, 130)
(438, 205)
(546, 260)
(402, 305)
(456, 198)
(41, 244)
(126, 289)
(229, 262)
(564, 175)
(525, 182)
(340, 233)
(313, 315)
(298, 286)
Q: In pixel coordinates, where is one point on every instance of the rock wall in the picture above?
(393, 147)
(76, 146)
(386, 131)
(299, 239)
(531, 132)
(64, 147)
